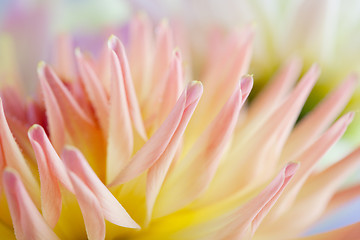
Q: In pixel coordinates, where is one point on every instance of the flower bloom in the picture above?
(125, 147)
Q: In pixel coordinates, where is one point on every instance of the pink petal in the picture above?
(90, 208)
(158, 171)
(308, 159)
(277, 89)
(132, 102)
(157, 144)
(64, 57)
(27, 221)
(203, 159)
(164, 46)
(50, 191)
(53, 113)
(317, 192)
(66, 101)
(167, 91)
(53, 163)
(120, 135)
(140, 54)
(219, 83)
(319, 119)
(94, 90)
(271, 135)
(14, 159)
(80, 126)
(248, 217)
(111, 208)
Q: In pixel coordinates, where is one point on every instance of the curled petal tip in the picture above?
(112, 41)
(78, 52)
(291, 169)
(41, 66)
(246, 84)
(349, 117)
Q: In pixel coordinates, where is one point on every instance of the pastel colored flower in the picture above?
(127, 146)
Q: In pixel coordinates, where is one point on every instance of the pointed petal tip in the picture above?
(347, 118)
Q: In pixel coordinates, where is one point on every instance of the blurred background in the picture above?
(322, 31)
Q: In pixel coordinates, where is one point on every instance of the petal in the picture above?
(94, 90)
(140, 51)
(53, 114)
(249, 216)
(317, 192)
(158, 171)
(270, 135)
(157, 144)
(50, 191)
(80, 126)
(64, 59)
(120, 134)
(53, 162)
(276, 90)
(65, 100)
(173, 86)
(160, 63)
(219, 83)
(203, 159)
(111, 208)
(308, 159)
(27, 221)
(132, 102)
(319, 119)
(14, 159)
(90, 208)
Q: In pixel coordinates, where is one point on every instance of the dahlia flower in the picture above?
(127, 146)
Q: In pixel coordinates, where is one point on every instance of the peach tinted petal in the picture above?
(90, 208)
(140, 52)
(132, 102)
(94, 90)
(277, 89)
(120, 134)
(14, 158)
(158, 171)
(157, 144)
(319, 119)
(53, 113)
(50, 191)
(111, 208)
(308, 159)
(249, 216)
(27, 221)
(54, 164)
(203, 159)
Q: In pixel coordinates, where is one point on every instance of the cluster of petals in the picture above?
(125, 147)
